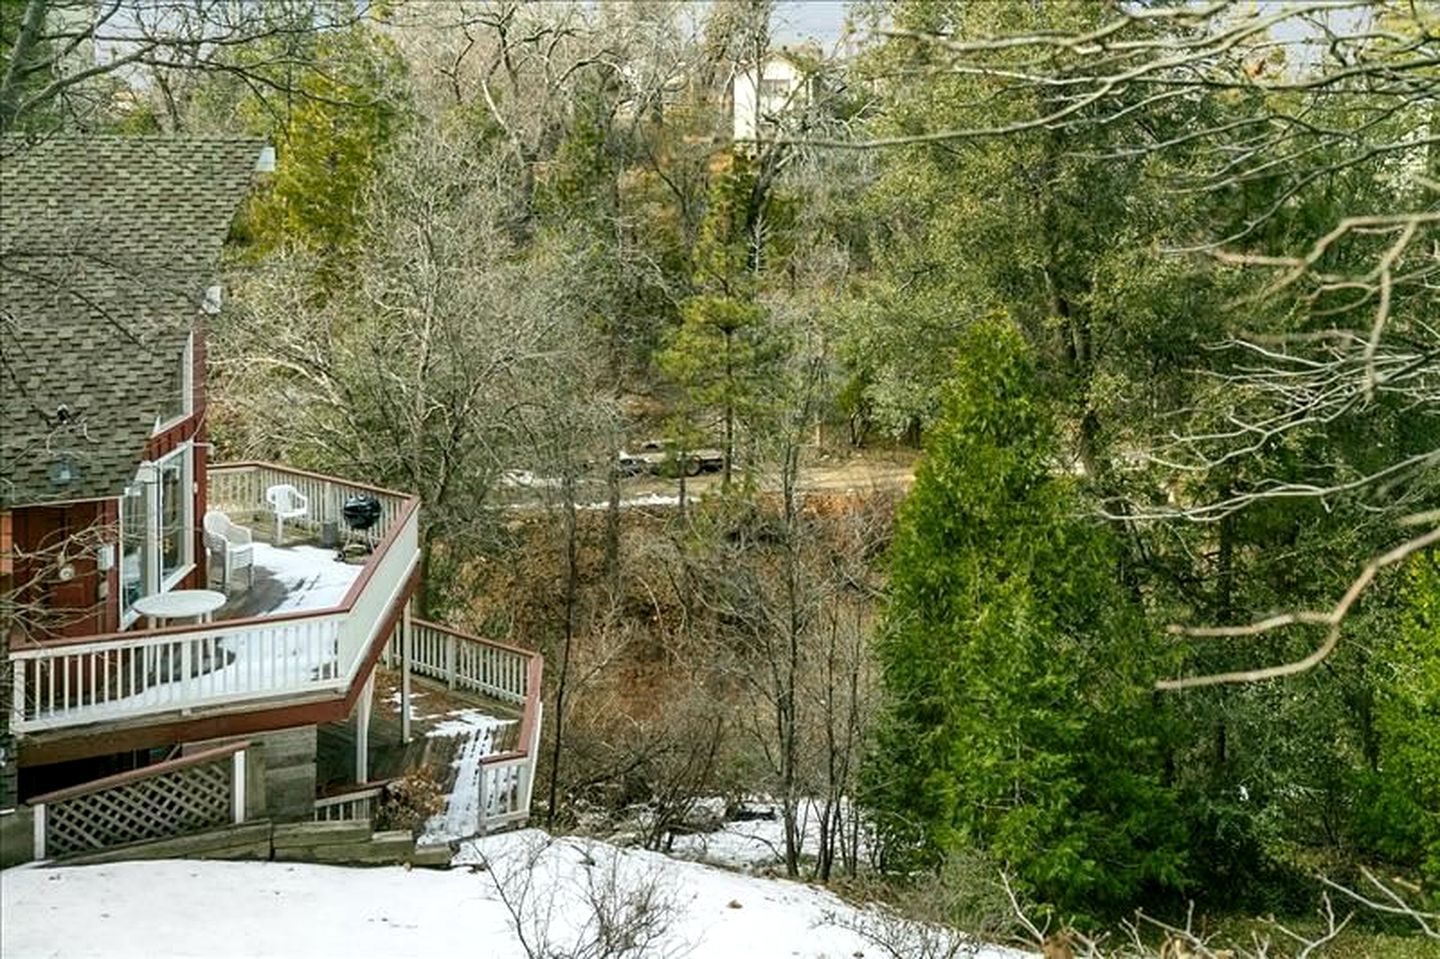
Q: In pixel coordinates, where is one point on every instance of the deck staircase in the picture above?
(483, 753)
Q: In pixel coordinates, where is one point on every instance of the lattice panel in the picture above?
(185, 800)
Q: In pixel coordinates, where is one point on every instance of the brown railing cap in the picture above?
(144, 772)
(441, 628)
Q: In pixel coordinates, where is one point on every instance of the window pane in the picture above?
(176, 402)
(173, 528)
(132, 544)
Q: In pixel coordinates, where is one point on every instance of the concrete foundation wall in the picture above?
(290, 774)
(17, 836)
(280, 773)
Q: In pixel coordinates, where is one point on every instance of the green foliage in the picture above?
(331, 143)
(1017, 718)
(1047, 226)
(722, 356)
(1400, 814)
(581, 177)
(745, 231)
(21, 82)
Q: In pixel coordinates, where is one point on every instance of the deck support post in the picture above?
(237, 787)
(38, 825)
(405, 639)
(362, 731)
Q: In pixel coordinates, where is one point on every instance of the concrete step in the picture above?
(291, 834)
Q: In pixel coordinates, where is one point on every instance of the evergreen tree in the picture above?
(331, 144)
(1016, 720)
(1404, 817)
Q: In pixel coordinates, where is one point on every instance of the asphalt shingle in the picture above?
(107, 245)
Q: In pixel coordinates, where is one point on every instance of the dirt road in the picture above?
(858, 474)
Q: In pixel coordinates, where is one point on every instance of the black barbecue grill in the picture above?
(361, 513)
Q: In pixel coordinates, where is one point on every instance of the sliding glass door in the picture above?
(157, 528)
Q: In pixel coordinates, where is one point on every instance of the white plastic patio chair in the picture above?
(234, 544)
(288, 503)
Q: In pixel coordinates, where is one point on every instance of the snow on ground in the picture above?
(757, 839)
(644, 500)
(634, 503)
(312, 577)
(526, 479)
(154, 910)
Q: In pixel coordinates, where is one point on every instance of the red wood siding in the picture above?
(87, 603)
(93, 596)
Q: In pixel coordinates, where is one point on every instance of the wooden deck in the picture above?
(321, 623)
(281, 586)
(435, 736)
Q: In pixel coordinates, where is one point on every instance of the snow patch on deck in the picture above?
(415, 714)
(312, 578)
(476, 733)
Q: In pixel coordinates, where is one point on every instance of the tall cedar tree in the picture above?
(1017, 720)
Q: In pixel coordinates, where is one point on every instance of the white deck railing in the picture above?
(470, 663)
(239, 488)
(72, 682)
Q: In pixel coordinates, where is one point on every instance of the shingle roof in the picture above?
(107, 245)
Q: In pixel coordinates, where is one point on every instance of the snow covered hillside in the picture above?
(158, 909)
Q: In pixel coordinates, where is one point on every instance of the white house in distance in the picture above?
(783, 84)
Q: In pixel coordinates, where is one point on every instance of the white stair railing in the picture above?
(355, 804)
(506, 673)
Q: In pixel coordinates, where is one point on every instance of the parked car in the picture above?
(657, 457)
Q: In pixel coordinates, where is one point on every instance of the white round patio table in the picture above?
(179, 603)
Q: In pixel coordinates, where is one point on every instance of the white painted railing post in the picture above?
(527, 788)
(406, 626)
(39, 826)
(186, 662)
(17, 705)
(484, 802)
(237, 790)
(450, 641)
(362, 731)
